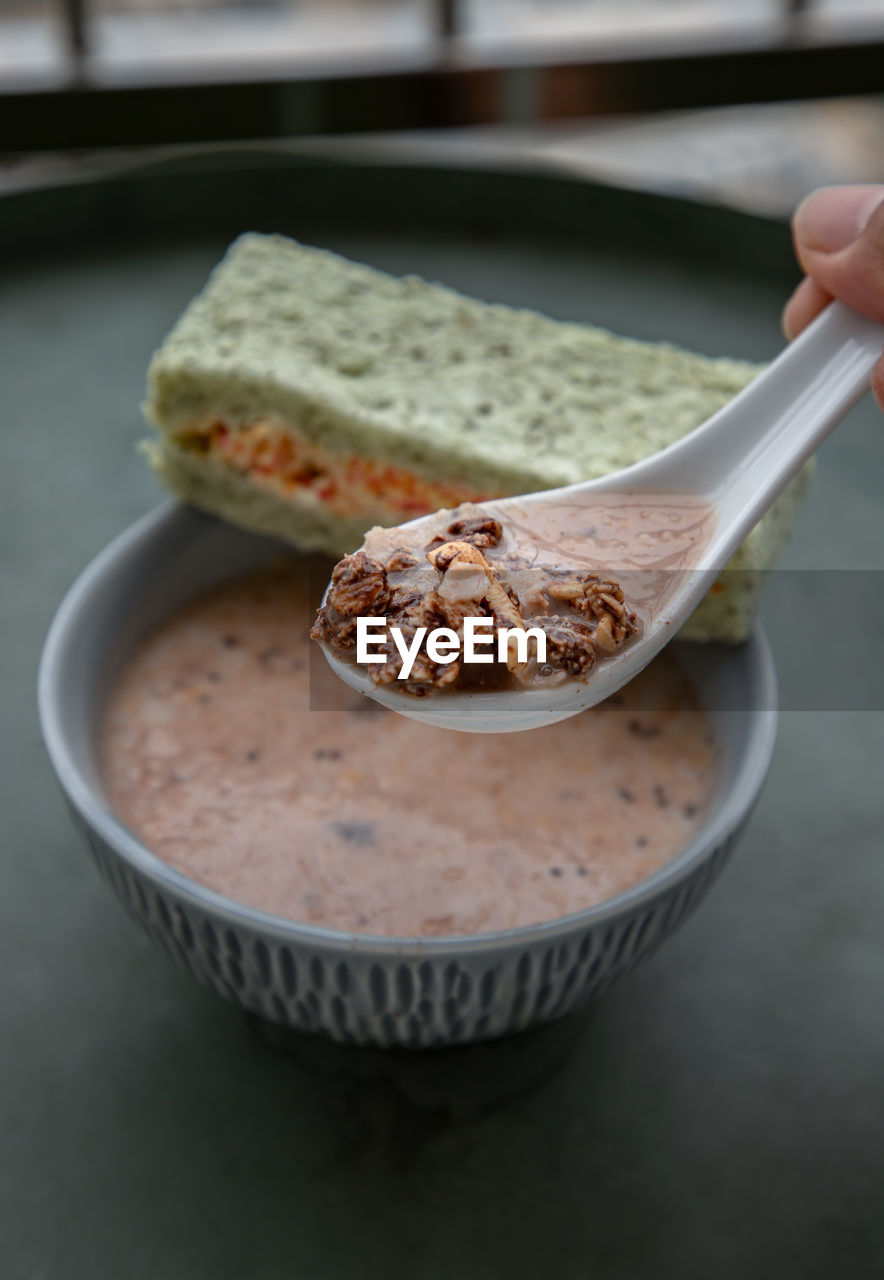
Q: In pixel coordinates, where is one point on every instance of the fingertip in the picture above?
(787, 322)
(878, 382)
(805, 304)
(831, 218)
(854, 274)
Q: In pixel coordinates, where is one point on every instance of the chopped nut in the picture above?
(465, 579)
(569, 643)
(339, 632)
(402, 559)
(358, 588)
(480, 531)
(461, 558)
(443, 556)
(409, 610)
(599, 600)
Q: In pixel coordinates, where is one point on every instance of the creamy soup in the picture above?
(232, 752)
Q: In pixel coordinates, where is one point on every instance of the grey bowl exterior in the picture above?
(355, 988)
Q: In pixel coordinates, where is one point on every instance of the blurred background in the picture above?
(748, 102)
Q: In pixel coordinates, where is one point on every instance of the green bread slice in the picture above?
(414, 375)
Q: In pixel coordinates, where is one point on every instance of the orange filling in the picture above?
(346, 483)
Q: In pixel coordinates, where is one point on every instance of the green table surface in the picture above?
(720, 1114)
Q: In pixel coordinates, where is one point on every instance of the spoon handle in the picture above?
(747, 452)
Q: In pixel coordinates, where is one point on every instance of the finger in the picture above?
(878, 382)
(839, 240)
(804, 305)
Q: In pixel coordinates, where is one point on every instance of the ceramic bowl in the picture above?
(356, 988)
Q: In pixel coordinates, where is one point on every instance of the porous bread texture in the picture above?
(418, 375)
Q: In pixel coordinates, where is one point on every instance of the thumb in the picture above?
(839, 240)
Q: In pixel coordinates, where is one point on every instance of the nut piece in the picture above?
(569, 643)
(457, 579)
(358, 588)
(466, 560)
(599, 600)
(402, 559)
(480, 531)
(443, 556)
(408, 610)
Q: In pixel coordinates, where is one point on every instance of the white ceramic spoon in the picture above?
(738, 461)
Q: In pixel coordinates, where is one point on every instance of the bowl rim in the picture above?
(730, 812)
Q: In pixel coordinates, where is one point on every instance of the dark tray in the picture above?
(720, 1114)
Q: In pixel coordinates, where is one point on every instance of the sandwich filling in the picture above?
(287, 463)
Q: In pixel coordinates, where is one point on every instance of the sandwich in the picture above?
(309, 397)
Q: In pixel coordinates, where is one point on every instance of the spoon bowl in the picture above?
(737, 462)
(491, 711)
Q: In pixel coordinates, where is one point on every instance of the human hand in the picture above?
(839, 241)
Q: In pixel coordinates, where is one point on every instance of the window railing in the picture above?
(84, 73)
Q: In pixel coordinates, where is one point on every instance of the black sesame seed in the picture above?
(230, 642)
(625, 794)
(641, 841)
(253, 755)
(555, 871)
(360, 833)
(643, 731)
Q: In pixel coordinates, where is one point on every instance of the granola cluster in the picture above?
(457, 579)
(359, 588)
